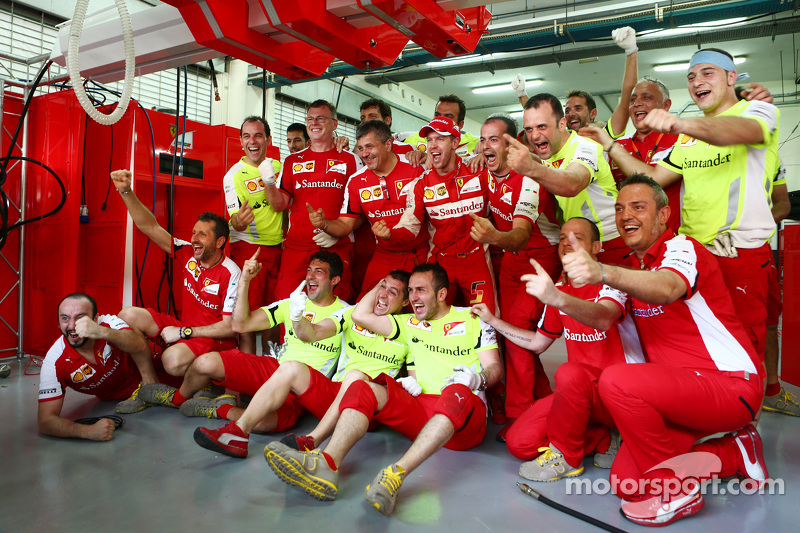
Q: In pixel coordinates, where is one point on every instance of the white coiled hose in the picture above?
(73, 63)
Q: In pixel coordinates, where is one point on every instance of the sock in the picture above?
(330, 461)
(223, 410)
(773, 389)
(178, 398)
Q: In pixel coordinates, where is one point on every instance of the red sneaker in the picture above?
(228, 440)
(751, 461)
(655, 512)
(301, 443)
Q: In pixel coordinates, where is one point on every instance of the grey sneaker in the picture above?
(605, 460)
(549, 466)
(134, 404)
(206, 407)
(307, 470)
(382, 492)
(210, 391)
(158, 394)
(784, 402)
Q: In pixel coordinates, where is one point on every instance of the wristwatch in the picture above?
(186, 332)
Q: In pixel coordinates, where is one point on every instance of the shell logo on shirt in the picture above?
(452, 329)
(82, 374)
(255, 185)
(366, 194)
(415, 323)
(422, 147)
(686, 140)
(193, 268)
(300, 168)
(429, 193)
(363, 331)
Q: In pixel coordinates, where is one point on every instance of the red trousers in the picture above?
(384, 262)
(470, 276)
(526, 379)
(572, 418)
(408, 414)
(661, 411)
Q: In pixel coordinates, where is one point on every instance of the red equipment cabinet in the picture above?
(63, 255)
(789, 250)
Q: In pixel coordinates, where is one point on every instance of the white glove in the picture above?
(625, 38)
(324, 240)
(410, 385)
(464, 375)
(275, 349)
(297, 302)
(518, 84)
(267, 171)
(722, 246)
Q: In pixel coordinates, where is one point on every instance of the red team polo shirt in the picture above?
(704, 332)
(317, 178)
(114, 376)
(586, 345)
(448, 201)
(652, 149)
(520, 196)
(207, 293)
(365, 194)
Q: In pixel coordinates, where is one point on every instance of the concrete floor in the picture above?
(153, 475)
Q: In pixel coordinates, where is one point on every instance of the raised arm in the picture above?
(142, 217)
(599, 315)
(242, 320)
(363, 315)
(719, 131)
(626, 39)
(568, 181)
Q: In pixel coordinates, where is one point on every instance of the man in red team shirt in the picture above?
(448, 194)
(703, 372)
(557, 431)
(97, 354)
(316, 176)
(378, 192)
(209, 286)
(525, 226)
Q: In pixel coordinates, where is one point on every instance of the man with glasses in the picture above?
(315, 177)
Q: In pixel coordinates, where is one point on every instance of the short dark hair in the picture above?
(254, 118)
(505, 118)
(658, 192)
(383, 107)
(402, 276)
(220, 225)
(595, 232)
(79, 296)
(378, 127)
(323, 103)
(332, 259)
(590, 103)
(439, 275)
(297, 126)
(538, 99)
(453, 99)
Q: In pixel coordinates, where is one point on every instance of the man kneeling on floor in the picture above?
(558, 430)
(703, 374)
(454, 355)
(365, 356)
(246, 373)
(97, 354)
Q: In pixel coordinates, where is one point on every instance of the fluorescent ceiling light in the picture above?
(504, 87)
(692, 28)
(470, 58)
(516, 114)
